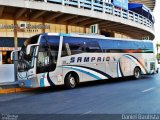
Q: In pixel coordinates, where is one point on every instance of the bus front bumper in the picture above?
(28, 83)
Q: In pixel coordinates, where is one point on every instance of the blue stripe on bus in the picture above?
(98, 71)
(28, 83)
(88, 73)
(42, 82)
(95, 70)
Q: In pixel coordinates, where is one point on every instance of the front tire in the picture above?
(137, 73)
(70, 81)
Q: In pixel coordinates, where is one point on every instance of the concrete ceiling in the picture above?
(58, 14)
(149, 3)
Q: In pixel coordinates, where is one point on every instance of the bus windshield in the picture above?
(26, 62)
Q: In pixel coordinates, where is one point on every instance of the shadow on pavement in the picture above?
(88, 84)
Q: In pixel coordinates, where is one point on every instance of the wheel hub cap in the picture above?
(72, 81)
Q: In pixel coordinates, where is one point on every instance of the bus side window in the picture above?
(72, 49)
(76, 48)
(66, 50)
(93, 46)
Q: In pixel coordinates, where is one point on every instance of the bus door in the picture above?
(48, 54)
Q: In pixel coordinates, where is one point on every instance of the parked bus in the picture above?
(56, 59)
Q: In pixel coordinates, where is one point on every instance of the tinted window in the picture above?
(32, 40)
(77, 45)
(92, 46)
(110, 45)
(48, 54)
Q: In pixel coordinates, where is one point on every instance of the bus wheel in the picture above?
(137, 73)
(70, 81)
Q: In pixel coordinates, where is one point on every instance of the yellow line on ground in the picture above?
(16, 90)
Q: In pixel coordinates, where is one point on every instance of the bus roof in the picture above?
(92, 36)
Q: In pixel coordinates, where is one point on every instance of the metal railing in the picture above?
(104, 7)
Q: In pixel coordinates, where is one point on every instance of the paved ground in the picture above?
(118, 97)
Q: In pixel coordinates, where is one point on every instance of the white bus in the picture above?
(56, 59)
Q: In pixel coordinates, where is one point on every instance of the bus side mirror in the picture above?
(29, 47)
(14, 55)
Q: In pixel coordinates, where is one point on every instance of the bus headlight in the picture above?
(22, 84)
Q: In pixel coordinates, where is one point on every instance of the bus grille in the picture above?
(152, 66)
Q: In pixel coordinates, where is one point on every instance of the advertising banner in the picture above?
(121, 3)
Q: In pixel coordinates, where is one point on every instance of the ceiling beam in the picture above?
(77, 20)
(96, 22)
(110, 25)
(88, 22)
(1, 10)
(106, 23)
(65, 18)
(20, 12)
(53, 16)
(37, 14)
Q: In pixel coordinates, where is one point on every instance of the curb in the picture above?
(15, 90)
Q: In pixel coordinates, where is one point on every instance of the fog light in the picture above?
(22, 84)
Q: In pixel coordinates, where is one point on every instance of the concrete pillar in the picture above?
(133, 16)
(63, 2)
(43, 28)
(112, 34)
(79, 6)
(84, 30)
(104, 6)
(67, 29)
(15, 45)
(15, 34)
(92, 1)
(121, 12)
(138, 19)
(113, 10)
(128, 15)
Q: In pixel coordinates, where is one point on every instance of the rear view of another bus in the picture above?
(149, 57)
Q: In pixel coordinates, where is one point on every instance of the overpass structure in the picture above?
(68, 16)
(80, 13)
